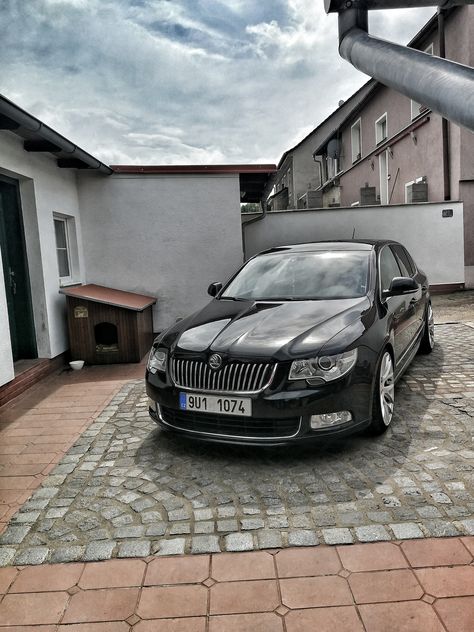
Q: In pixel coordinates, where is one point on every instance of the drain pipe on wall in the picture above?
(444, 122)
(444, 86)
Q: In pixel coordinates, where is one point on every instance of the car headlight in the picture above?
(157, 360)
(327, 368)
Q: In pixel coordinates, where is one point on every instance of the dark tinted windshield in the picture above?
(302, 276)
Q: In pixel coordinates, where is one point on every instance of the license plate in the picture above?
(240, 406)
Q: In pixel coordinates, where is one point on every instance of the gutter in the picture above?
(33, 125)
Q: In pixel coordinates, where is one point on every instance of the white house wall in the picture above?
(44, 189)
(167, 236)
(435, 242)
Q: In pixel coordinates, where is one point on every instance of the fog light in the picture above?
(330, 419)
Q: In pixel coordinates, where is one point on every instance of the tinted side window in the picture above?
(405, 261)
(389, 268)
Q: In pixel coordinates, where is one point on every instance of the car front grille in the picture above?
(234, 377)
(242, 427)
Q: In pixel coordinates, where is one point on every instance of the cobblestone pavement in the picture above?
(126, 489)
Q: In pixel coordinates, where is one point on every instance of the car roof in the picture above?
(320, 246)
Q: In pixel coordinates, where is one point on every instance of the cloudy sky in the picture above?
(181, 81)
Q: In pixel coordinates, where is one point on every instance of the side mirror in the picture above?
(214, 288)
(400, 286)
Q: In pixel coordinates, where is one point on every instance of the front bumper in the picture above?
(280, 414)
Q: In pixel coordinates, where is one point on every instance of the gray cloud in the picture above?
(182, 81)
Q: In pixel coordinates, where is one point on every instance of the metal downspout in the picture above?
(444, 86)
(444, 122)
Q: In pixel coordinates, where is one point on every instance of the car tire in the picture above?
(428, 340)
(384, 395)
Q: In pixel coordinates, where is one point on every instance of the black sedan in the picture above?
(304, 342)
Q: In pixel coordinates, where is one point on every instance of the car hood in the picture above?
(278, 329)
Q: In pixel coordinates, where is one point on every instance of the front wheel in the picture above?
(384, 395)
(428, 339)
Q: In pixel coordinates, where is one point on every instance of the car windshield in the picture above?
(294, 276)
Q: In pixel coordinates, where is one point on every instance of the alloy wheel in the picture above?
(386, 388)
(431, 332)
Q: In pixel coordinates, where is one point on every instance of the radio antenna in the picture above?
(353, 233)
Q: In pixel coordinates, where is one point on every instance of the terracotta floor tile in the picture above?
(239, 566)
(172, 601)
(342, 619)
(378, 586)
(33, 608)
(8, 496)
(178, 570)
(313, 592)
(26, 459)
(261, 622)
(191, 624)
(48, 578)
(409, 616)
(113, 604)
(439, 552)
(241, 597)
(7, 575)
(457, 614)
(29, 469)
(307, 562)
(113, 574)
(10, 449)
(115, 626)
(16, 482)
(371, 557)
(469, 543)
(447, 582)
(29, 628)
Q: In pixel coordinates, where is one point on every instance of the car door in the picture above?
(417, 299)
(399, 313)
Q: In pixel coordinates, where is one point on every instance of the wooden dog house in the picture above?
(108, 326)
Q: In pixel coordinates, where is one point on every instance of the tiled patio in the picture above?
(415, 586)
(423, 585)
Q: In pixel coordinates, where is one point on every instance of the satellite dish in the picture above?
(334, 148)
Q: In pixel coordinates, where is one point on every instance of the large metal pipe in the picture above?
(444, 86)
(336, 6)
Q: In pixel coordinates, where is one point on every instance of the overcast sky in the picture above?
(181, 81)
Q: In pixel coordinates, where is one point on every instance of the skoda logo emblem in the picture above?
(215, 361)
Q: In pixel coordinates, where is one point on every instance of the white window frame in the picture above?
(381, 119)
(383, 156)
(356, 131)
(71, 248)
(415, 106)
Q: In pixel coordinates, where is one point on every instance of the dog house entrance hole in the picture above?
(106, 338)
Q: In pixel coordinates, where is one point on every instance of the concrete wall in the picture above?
(44, 189)
(168, 236)
(434, 242)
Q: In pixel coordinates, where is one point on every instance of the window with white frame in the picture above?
(66, 248)
(356, 141)
(381, 129)
(418, 108)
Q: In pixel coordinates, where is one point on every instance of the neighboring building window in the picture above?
(381, 131)
(332, 167)
(418, 108)
(356, 141)
(66, 248)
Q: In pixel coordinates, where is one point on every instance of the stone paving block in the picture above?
(406, 531)
(337, 536)
(239, 542)
(67, 554)
(137, 548)
(171, 547)
(96, 551)
(205, 544)
(6, 555)
(269, 539)
(32, 555)
(372, 533)
(302, 538)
